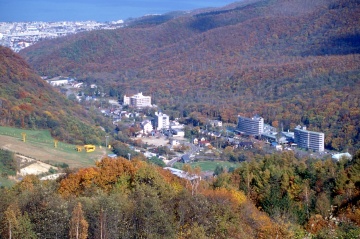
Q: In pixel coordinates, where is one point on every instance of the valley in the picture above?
(249, 59)
(235, 122)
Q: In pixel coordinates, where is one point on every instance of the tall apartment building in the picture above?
(161, 121)
(139, 100)
(250, 126)
(309, 139)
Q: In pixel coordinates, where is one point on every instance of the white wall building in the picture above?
(161, 121)
(146, 127)
(309, 139)
(126, 100)
(215, 123)
(250, 126)
(58, 81)
(182, 174)
(176, 125)
(139, 100)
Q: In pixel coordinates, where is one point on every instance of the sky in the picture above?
(97, 10)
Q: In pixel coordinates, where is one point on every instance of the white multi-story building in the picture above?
(250, 126)
(161, 121)
(139, 100)
(309, 139)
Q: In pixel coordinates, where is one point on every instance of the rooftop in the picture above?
(182, 174)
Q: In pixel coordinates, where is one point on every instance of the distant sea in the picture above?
(97, 10)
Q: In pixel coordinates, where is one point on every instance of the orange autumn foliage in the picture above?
(111, 169)
(78, 182)
(107, 173)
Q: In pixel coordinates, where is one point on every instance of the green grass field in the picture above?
(40, 145)
(208, 165)
(31, 135)
(4, 182)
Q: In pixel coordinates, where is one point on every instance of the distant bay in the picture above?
(97, 10)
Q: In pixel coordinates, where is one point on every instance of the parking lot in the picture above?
(156, 140)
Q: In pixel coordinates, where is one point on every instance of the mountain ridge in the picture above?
(255, 52)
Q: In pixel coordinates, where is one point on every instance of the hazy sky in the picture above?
(99, 10)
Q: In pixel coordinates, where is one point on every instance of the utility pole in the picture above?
(129, 155)
(106, 140)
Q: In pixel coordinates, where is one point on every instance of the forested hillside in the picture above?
(292, 62)
(28, 102)
(122, 199)
(117, 198)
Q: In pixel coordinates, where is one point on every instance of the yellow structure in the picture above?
(23, 137)
(89, 148)
(55, 143)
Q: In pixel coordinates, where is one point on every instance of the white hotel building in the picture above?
(250, 126)
(139, 100)
(309, 139)
(161, 121)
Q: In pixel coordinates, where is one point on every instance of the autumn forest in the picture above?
(277, 196)
(291, 62)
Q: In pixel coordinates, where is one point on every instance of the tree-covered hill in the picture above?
(27, 101)
(128, 199)
(277, 196)
(292, 62)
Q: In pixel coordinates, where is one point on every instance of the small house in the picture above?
(146, 127)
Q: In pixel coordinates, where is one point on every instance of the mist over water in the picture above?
(104, 10)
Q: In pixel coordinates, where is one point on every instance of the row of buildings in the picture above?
(161, 122)
(302, 137)
(249, 126)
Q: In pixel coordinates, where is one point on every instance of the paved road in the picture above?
(172, 161)
(193, 149)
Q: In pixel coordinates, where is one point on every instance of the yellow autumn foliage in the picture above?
(238, 196)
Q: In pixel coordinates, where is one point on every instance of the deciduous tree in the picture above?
(78, 224)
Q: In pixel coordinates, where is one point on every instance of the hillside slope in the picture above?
(27, 101)
(132, 199)
(292, 62)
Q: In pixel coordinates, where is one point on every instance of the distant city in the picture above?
(19, 35)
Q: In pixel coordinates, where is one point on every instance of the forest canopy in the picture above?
(294, 62)
(271, 196)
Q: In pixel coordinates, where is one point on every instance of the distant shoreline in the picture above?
(92, 10)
